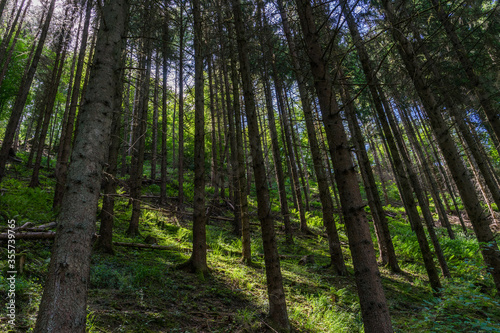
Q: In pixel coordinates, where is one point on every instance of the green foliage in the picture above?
(462, 308)
(25, 204)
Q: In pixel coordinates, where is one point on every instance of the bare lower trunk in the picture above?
(63, 307)
(374, 308)
(198, 260)
(277, 304)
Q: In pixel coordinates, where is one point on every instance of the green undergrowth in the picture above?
(140, 290)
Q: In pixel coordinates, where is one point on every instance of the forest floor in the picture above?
(139, 290)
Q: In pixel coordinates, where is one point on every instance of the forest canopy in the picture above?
(234, 165)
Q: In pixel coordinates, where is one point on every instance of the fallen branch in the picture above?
(30, 235)
(42, 227)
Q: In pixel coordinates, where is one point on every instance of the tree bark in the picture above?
(63, 307)
(163, 172)
(180, 164)
(277, 304)
(198, 261)
(65, 141)
(374, 308)
(404, 185)
(336, 257)
(476, 213)
(140, 130)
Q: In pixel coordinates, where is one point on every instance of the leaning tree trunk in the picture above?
(374, 308)
(64, 302)
(386, 247)
(478, 217)
(404, 185)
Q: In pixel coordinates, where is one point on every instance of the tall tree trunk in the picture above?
(180, 165)
(104, 243)
(66, 138)
(237, 222)
(164, 127)
(417, 187)
(295, 146)
(386, 247)
(336, 257)
(277, 304)
(291, 154)
(214, 176)
(198, 260)
(427, 172)
(63, 307)
(53, 85)
(278, 166)
(405, 186)
(154, 136)
(22, 94)
(374, 308)
(140, 130)
(475, 211)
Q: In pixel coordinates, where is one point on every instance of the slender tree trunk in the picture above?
(242, 168)
(154, 136)
(238, 214)
(278, 166)
(63, 307)
(378, 165)
(291, 154)
(198, 261)
(336, 257)
(61, 51)
(427, 172)
(476, 213)
(277, 304)
(405, 186)
(181, 111)
(417, 188)
(163, 181)
(214, 176)
(374, 308)
(66, 138)
(140, 130)
(22, 94)
(386, 247)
